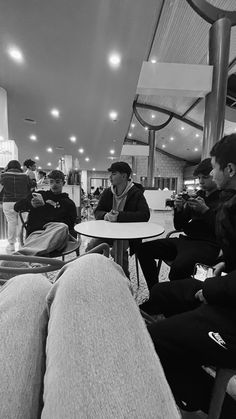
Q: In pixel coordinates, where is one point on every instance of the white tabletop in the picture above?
(107, 230)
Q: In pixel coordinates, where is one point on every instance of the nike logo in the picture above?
(217, 338)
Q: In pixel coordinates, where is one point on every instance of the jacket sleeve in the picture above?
(181, 218)
(221, 290)
(141, 213)
(71, 215)
(23, 204)
(104, 205)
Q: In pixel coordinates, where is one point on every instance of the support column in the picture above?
(134, 168)
(151, 158)
(219, 45)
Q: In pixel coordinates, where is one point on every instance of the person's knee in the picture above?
(29, 287)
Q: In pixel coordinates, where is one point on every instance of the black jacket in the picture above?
(135, 210)
(199, 226)
(64, 211)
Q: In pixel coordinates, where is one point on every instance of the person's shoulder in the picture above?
(136, 189)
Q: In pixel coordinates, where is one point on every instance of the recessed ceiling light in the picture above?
(73, 139)
(114, 60)
(153, 116)
(113, 115)
(55, 112)
(112, 151)
(132, 125)
(234, 129)
(197, 135)
(171, 138)
(1, 138)
(81, 150)
(196, 149)
(153, 60)
(182, 128)
(129, 134)
(49, 149)
(94, 169)
(33, 137)
(36, 158)
(87, 158)
(49, 163)
(15, 54)
(58, 168)
(39, 167)
(163, 146)
(146, 128)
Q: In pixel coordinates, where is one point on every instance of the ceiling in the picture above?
(66, 45)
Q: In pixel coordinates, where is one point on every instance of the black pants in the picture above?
(184, 253)
(184, 342)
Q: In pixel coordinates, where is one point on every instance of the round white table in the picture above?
(119, 232)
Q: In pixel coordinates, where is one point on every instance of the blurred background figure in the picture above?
(41, 178)
(30, 171)
(16, 186)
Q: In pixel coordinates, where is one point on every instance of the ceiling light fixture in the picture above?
(15, 54)
(197, 135)
(114, 60)
(33, 137)
(163, 146)
(113, 115)
(93, 169)
(39, 167)
(112, 151)
(49, 163)
(73, 139)
(196, 149)
(146, 128)
(132, 125)
(153, 60)
(87, 158)
(81, 150)
(182, 128)
(171, 138)
(36, 158)
(129, 134)
(49, 149)
(153, 116)
(55, 112)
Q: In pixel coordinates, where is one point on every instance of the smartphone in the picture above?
(202, 272)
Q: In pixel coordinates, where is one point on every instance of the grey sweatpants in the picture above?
(99, 361)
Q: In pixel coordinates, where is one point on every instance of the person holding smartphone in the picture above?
(195, 216)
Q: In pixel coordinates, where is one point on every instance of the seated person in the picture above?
(201, 324)
(123, 202)
(30, 171)
(196, 217)
(99, 361)
(52, 215)
(41, 178)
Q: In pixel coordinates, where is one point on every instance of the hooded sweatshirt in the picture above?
(119, 200)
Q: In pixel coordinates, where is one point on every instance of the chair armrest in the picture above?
(103, 248)
(51, 264)
(173, 232)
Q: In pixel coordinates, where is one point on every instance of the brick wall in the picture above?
(165, 166)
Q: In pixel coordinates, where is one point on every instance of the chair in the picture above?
(168, 262)
(50, 263)
(72, 245)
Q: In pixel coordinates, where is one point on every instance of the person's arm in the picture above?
(220, 290)
(104, 205)
(72, 215)
(181, 217)
(141, 213)
(23, 204)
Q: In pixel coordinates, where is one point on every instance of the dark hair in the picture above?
(13, 164)
(28, 163)
(41, 172)
(204, 168)
(224, 151)
(56, 174)
(121, 167)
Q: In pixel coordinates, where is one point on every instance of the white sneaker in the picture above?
(10, 248)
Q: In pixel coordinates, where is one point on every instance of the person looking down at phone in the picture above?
(200, 324)
(195, 216)
(52, 215)
(123, 202)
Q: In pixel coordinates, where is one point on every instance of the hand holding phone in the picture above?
(202, 272)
